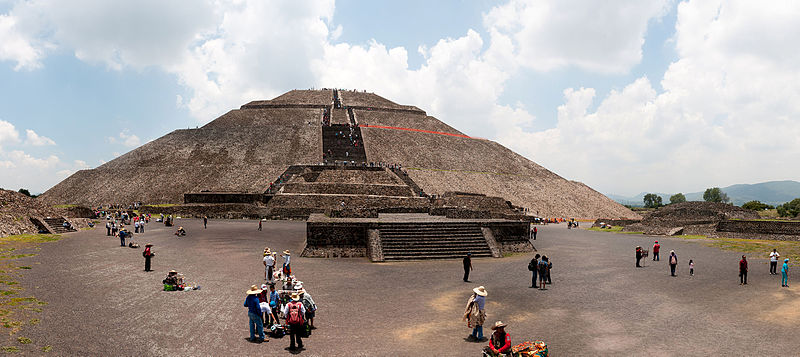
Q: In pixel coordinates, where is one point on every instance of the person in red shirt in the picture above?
(500, 343)
(743, 271)
(656, 249)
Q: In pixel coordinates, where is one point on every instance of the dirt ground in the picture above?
(101, 302)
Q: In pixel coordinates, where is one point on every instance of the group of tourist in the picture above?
(540, 267)
(743, 264)
(267, 305)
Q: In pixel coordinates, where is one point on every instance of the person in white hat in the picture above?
(254, 313)
(269, 265)
(287, 268)
(295, 317)
(475, 314)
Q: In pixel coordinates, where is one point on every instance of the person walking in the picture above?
(148, 255)
(638, 256)
(743, 271)
(533, 266)
(205, 222)
(773, 262)
(467, 266)
(656, 249)
(549, 269)
(691, 268)
(475, 313)
(785, 273)
(295, 312)
(673, 262)
(533, 232)
(254, 314)
(259, 225)
(108, 228)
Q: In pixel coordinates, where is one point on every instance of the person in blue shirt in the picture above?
(254, 313)
(785, 273)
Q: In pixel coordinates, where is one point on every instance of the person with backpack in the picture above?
(295, 312)
(656, 249)
(542, 272)
(673, 262)
(533, 266)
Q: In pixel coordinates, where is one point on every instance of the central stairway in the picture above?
(434, 240)
(57, 225)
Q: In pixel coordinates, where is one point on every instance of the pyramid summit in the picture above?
(277, 148)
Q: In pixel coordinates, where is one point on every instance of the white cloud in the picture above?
(601, 36)
(727, 113)
(20, 158)
(31, 138)
(16, 46)
(125, 138)
(8, 133)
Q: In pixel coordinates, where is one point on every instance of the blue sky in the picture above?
(623, 96)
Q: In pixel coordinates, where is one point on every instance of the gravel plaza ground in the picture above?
(101, 302)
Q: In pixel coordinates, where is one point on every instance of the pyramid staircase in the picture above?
(433, 240)
(339, 145)
(56, 225)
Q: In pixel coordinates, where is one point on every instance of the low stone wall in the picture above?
(509, 232)
(760, 227)
(224, 197)
(348, 189)
(331, 201)
(352, 213)
(336, 240)
(615, 222)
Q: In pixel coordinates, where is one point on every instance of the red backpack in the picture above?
(295, 317)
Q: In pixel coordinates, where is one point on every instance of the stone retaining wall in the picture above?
(225, 211)
(615, 222)
(348, 189)
(760, 227)
(224, 197)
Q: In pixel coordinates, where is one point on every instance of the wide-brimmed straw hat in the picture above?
(286, 252)
(295, 296)
(498, 324)
(148, 245)
(253, 290)
(480, 291)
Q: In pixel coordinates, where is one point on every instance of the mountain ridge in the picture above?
(769, 192)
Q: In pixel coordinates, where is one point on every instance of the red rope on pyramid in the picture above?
(417, 130)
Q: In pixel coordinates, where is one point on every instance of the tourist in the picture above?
(638, 256)
(141, 226)
(269, 265)
(148, 255)
(500, 343)
(287, 268)
(656, 249)
(136, 226)
(773, 262)
(533, 266)
(533, 232)
(743, 271)
(308, 303)
(542, 272)
(108, 228)
(180, 232)
(254, 314)
(122, 234)
(691, 268)
(259, 225)
(673, 262)
(205, 222)
(785, 273)
(467, 266)
(475, 313)
(549, 269)
(274, 304)
(294, 312)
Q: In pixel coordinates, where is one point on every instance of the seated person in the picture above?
(174, 280)
(500, 343)
(180, 232)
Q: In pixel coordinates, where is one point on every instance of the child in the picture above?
(691, 268)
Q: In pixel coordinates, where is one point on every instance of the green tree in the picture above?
(715, 194)
(789, 209)
(756, 206)
(677, 198)
(652, 200)
(25, 192)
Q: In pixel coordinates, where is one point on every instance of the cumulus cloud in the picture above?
(31, 138)
(601, 36)
(727, 113)
(125, 138)
(8, 133)
(16, 46)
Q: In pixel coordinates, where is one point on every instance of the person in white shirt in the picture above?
(269, 265)
(773, 262)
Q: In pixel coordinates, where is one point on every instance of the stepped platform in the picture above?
(413, 236)
(56, 225)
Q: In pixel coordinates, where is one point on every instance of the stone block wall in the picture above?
(760, 227)
(348, 189)
(615, 222)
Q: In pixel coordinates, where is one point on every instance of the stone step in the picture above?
(419, 238)
(473, 248)
(434, 256)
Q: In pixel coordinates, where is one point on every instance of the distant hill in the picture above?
(772, 192)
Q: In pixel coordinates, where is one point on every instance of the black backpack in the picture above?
(532, 265)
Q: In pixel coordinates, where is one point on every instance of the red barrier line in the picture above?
(417, 130)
